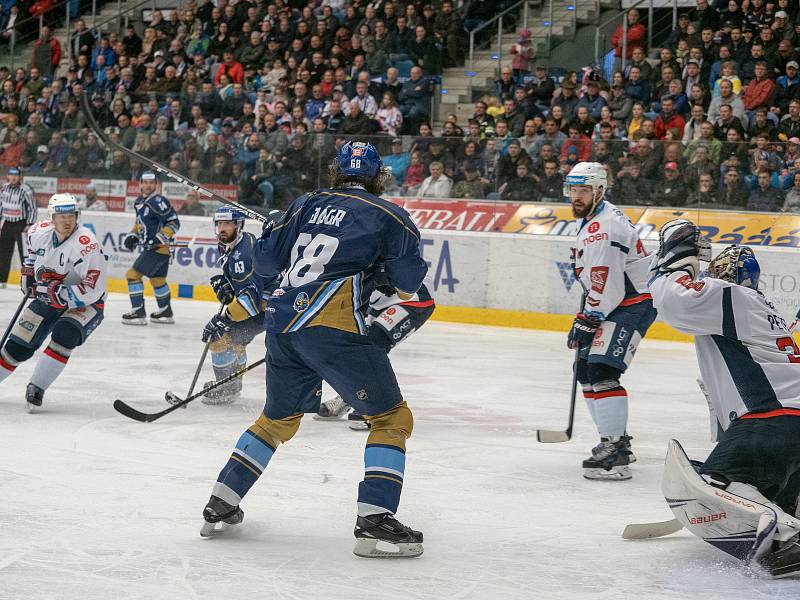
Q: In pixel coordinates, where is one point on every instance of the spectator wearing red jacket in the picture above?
(669, 124)
(46, 52)
(576, 140)
(636, 35)
(760, 90)
(230, 67)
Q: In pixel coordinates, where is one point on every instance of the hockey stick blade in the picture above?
(137, 415)
(647, 531)
(87, 113)
(547, 436)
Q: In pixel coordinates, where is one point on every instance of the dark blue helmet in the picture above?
(359, 159)
(736, 264)
(229, 213)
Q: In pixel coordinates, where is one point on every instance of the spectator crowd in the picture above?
(260, 94)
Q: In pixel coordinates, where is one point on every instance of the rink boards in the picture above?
(487, 278)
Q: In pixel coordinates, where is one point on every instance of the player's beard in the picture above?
(225, 238)
(584, 212)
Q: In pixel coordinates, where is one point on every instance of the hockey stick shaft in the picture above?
(547, 436)
(13, 320)
(136, 415)
(202, 360)
(87, 111)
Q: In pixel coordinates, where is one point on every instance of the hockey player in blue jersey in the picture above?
(156, 224)
(330, 245)
(390, 321)
(239, 288)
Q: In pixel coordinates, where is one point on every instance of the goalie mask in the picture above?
(736, 264)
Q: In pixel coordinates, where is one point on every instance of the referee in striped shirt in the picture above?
(17, 213)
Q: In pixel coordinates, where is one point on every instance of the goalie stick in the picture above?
(646, 531)
(87, 111)
(130, 412)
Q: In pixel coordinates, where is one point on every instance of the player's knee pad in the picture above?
(392, 427)
(603, 377)
(158, 282)
(276, 431)
(67, 334)
(17, 352)
(133, 275)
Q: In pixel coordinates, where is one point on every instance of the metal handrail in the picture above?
(29, 19)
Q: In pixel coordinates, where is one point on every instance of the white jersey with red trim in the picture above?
(78, 262)
(748, 360)
(610, 261)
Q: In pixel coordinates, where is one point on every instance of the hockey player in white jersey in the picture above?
(65, 274)
(612, 266)
(743, 498)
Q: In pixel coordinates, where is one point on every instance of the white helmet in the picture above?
(587, 173)
(62, 203)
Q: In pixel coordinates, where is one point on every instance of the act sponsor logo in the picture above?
(598, 277)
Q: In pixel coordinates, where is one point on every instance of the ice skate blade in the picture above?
(358, 425)
(613, 474)
(220, 401)
(215, 529)
(165, 321)
(368, 548)
(319, 417)
(32, 408)
(134, 321)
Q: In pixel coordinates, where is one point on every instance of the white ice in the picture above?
(96, 506)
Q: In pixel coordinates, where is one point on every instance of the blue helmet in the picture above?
(229, 213)
(359, 159)
(736, 264)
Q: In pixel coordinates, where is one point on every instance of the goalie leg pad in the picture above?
(739, 526)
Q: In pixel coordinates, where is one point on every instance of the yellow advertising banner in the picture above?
(728, 227)
(551, 219)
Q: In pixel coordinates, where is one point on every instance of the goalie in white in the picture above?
(65, 274)
(743, 497)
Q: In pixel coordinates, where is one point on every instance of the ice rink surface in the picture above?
(96, 506)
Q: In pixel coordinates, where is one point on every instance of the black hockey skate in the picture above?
(224, 394)
(135, 317)
(783, 561)
(332, 410)
(219, 515)
(357, 422)
(33, 396)
(609, 460)
(163, 316)
(384, 529)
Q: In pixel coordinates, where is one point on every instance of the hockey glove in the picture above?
(28, 281)
(53, 294)
(681, 247)
(217, 327)
(223, 289)
(582, 332)
(131, 241)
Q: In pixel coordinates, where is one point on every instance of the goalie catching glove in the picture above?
(681, 246)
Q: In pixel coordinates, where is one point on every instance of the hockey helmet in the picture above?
(736, 264)
(229, 213)
(62, 203)
(592, 174)
(358, 159)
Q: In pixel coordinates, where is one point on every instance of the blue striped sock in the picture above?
(136, 293)
(379, 492)
(249, 459)
(162, 295)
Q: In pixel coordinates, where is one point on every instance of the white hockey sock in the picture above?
(50, 365)
(7, 365)
(611, 411)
